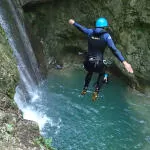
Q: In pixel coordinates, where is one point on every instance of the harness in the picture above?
(96, 60)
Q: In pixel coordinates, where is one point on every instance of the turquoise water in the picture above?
(118, 120)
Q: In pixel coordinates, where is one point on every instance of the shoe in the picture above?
(94, 96)
(84, 91)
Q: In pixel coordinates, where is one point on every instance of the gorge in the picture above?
(41, 38)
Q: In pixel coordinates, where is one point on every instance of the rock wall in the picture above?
(8, 69)
(23, 3)
(129, 23)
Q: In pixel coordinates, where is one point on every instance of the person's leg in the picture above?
(86, 83)
(88, 79)
(99, 83)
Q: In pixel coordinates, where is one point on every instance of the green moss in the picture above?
(9, 128)
(8, 73)
(8, 68)
(43, 142)
(10, 93)
(2, 32)
(13, 104)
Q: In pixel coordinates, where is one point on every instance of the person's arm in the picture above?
(80, 27)
(117, 53)
(113, 48)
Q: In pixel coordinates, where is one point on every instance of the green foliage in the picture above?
(13, 104)
(10, 93)
(9, 128)
(2, 32)
(43, 142)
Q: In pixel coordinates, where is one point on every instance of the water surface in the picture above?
(118, 120)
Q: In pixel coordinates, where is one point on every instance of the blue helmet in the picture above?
(101, 22)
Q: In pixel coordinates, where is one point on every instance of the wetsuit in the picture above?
(98, 40)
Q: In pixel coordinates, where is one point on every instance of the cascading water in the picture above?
(19, 41)
(30, 76)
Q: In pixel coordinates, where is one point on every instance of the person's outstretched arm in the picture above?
(80, 27)
(118, 54)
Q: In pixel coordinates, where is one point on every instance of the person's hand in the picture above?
(71, 21)
(105, 79)
(128, 67)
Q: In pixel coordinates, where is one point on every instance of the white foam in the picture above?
(30, 113)
(35, 97)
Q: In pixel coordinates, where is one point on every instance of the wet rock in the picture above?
(23, 3)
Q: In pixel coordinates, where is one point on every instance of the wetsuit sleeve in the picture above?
(83, 29)
(112, 46)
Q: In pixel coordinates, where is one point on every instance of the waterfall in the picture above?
(13, 25)
(27, 92)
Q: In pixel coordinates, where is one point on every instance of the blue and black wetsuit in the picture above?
(98, 40)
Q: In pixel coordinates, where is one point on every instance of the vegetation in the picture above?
(43, 142)
(2, 32)
(9, 128)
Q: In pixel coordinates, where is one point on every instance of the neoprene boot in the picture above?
(84, 91)
(95, 94)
